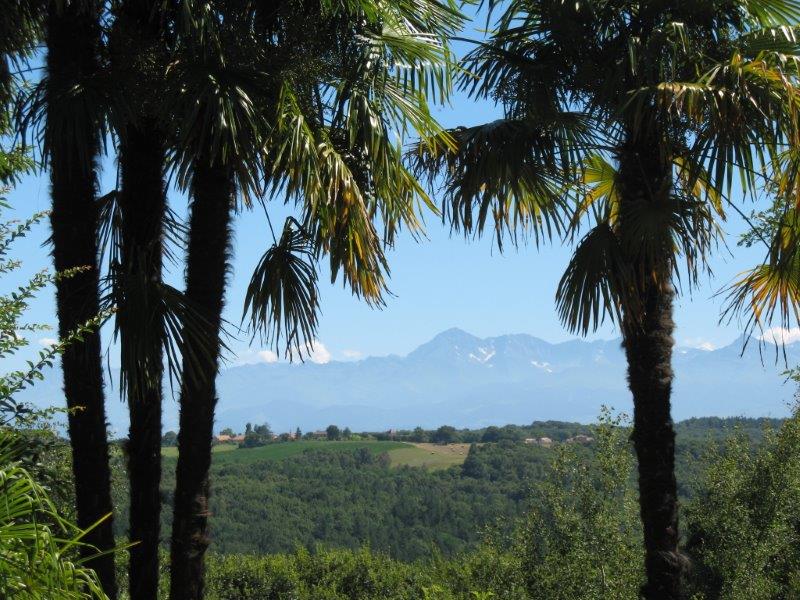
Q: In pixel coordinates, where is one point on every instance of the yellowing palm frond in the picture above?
(338, 213)
(770, 292)
(598, 179)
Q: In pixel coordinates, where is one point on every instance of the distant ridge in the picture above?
(463, 380)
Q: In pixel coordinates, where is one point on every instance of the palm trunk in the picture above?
(143, 203)
(73, 36)
(649, 352)
(645, 177)
(138, 54)
(207, 268)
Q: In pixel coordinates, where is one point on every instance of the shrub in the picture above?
(744, 527)
(583, 538)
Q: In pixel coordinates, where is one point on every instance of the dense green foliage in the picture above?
(347, 494)
(579, 536)
(352, 497)
(583, 537)
(744, 527)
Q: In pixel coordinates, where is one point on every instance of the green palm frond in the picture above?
(336, 143)
(68, 113)
(783, 39)
(596, 283)
(693, 181)
(21, 27)
(679, 227)
(213, 99)
(282, 299)
(109, 222)
(510, 173)
(337, 209)
(743, 111)
(162, 318)
(38, 547)
(770, 13)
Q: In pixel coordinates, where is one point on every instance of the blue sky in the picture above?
(444, 281)
(441, 282)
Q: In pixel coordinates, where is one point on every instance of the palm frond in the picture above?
(774, 12)
(742, 111)
(510, 173)
(162, 317)
(596, 282)
(38, 557)
(338, 202)
(282, 299)
(769, 294)
(693, 181)
(598, 191)
(214, 101)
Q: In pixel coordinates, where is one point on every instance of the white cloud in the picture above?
(267, 356)
(780, 335)
(254, 357)
(46, 341)
(352, 354)
(316, 352)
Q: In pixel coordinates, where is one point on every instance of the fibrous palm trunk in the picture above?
(648, 347)
(73, 36)
(207, 268)
(645, 179)
(138, 50)
(143, 205)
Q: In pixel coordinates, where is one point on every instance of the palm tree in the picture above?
(217, 126)
(73, 108)
(138, 59)
(635, 115)
(256, 82)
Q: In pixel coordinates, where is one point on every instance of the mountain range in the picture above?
(459, 379)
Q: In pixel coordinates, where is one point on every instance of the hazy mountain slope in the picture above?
(459, 379)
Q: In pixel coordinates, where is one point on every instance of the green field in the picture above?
(172, 451)
(428, 456)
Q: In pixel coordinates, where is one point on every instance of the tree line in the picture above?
(625, 124)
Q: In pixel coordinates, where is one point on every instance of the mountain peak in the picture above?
(449, 343)
(454, 334)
